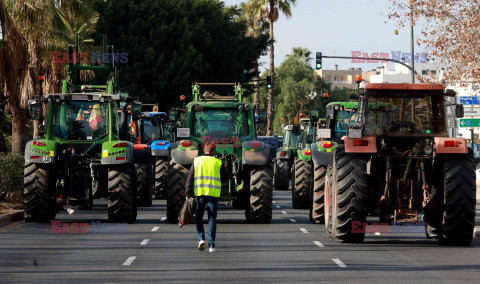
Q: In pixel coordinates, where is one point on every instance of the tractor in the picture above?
(329, 134)
(80, 156)
(229, 122)
(302, 172)
(156, 131)
(398, 162)
(285, 156)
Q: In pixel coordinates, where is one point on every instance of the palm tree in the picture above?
(302, 53)
(269, 11)
(256, 26)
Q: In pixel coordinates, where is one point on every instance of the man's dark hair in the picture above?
(209, 147)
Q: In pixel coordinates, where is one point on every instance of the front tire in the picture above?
(317, 210)
(144, 185)
(459, 200)
(176, 191)
(121, 194)
(39, 196)
(261, 195)
(350, 195)
(302, 183)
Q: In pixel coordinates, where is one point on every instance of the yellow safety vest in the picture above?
(207, 176)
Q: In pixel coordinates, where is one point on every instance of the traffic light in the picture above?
(269, 82)
(318, 64)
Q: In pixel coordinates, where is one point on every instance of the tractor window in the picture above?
(291, 140)
(80, 120)
(151, 130)
(416, 114)
(220, 125)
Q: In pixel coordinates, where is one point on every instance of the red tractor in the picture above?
(398, 162)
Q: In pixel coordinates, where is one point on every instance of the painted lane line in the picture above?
(283, 212)
(155, 229)
(129, 261)
(278, 206)
(144, 242)
(339, 262)
(318, 244)
(274, 202)
(304, 230)
(163, 219)
(293, 220)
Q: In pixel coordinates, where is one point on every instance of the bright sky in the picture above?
(337, 28)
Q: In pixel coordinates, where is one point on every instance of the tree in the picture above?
(171, 44)
(269, 10)
(451, 32)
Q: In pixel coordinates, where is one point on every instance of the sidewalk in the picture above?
(10, 217)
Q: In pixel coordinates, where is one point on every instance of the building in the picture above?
(340, 78)
(397, 73)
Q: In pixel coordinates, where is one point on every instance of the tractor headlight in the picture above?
(247, 107)
(241, 108)
(428, 150)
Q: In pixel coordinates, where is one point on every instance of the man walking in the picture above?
(205, 177)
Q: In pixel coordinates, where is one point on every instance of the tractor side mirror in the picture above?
(314, 116)
(262, 119)
(33, 106)
(459, 111)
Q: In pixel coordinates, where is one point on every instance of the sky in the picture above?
(338, 27)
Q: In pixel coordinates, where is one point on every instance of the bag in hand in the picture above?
(186, 215)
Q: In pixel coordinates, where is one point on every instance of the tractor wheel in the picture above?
(350, 202)
(161, 178)
(459, 200)
(317, 211)
(282, 174)
(121, 194)
(328, 200)
(39, 195)
(144, 185)
(177, 178)
(302, 184)
(261, 195)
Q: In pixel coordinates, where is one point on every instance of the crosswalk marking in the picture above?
(318, 244)
(129, 261)
(144, 242)
(155, 229)
(339, 262)
(293, 220)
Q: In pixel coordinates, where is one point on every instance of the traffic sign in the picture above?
(469, 101)
(472, 111)
(470, 122)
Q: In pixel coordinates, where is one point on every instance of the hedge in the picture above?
(11, 172)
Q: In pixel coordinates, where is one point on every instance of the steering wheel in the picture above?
(402, 127)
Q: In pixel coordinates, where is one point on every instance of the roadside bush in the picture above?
(11, 173)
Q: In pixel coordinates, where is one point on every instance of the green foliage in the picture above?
(11, 172)
(171, 44)
(6, 126)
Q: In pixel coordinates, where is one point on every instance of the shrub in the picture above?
(11, 173)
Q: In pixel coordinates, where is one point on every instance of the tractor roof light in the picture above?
(358, 78)
(241, 108)
(247, 107)
(185, 143)
(325, 95)
(182, 97)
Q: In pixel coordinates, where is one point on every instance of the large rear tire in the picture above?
(177, 178)
(261, 195)
(459, 200)
(144, 185)
(302, 184)
(350, 195)
(282, 174)
(122, 205)
(317, 211)
(161, 178)
(328, 200)
(39, 196)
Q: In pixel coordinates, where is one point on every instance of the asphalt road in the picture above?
(291, 249)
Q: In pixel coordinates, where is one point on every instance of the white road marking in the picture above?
(163, 219)
(155, 229)
(318, 244)
(278, 206)
(129, 261)
(283, 212)
(293, 220)
(304, 230)
(339, 262)
(274, 202)
(144, 242)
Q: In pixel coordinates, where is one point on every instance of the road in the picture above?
(291, 249)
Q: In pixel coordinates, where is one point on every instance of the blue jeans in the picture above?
(211, 203)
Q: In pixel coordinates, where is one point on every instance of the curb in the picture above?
(9, 218)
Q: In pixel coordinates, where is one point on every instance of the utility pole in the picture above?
(412, 42)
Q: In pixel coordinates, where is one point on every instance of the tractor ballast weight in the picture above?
(80, 156)
(230, 123)
(406, 168)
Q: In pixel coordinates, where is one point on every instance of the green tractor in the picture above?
(302, 172)
(230, 123)
(339, 115)
(285, 156)
(80, 156)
